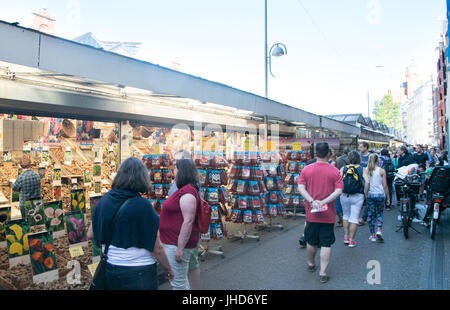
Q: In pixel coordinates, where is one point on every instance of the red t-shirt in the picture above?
(171, 218)
(321, 180)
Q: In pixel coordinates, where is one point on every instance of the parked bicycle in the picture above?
(438, 190)
(407, 188)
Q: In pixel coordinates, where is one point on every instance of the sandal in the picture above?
(311, 268)
(324, 279)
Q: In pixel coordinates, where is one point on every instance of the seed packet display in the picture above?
(253, 188)
(206, 236)
(281, 210)
(266, 157)
(234, 173)
(295, 178)
(241, 187)
(156, 161)
(248, 216)
(290, 189)
(214, 177)
(255, 202)
(301, 166)
(270, 184)
(157, 176)
(273, 197)
(259, 216)
(288, 179)
(212, 195)
(159, 190)
(225, 195)
(166, 175)
(34, 212)
(296, 189)
(214, 212)
(295, 200)
(246, 173)
(262, 186)
(203, 177)
(203, 193)
(205, 160)
(279, 183)
(234, 201)
(243, 202)
(165, 160)
(43, 257)
(292, 166)
(17, 232)
(57, 176)
(236, 216)
(273, 170)
(54, 217)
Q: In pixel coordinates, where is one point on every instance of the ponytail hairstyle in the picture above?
(373, 163)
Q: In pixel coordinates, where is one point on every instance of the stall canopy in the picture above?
(41, 73)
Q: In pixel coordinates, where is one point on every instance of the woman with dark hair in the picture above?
(385, 162)
(135, 246)
(179, 228)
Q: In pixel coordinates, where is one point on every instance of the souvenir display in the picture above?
(245, 185)
(161, 175)
(294, 202)
(213, 179)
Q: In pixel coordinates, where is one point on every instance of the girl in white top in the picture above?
(376, 192)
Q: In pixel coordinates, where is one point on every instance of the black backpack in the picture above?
(388, 166)
(353, 180)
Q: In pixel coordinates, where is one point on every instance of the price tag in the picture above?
(76, 251)
(93, 268)
(297, 146)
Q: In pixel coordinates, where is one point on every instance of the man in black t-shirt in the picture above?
(420, 157)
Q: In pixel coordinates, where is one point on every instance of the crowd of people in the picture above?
(352, 188)
(356, 187)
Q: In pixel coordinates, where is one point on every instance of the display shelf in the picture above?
(160, 170)
(296, 161)
(274, 174)
(247, 187)
(213, 179)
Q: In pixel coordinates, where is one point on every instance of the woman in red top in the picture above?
(178, 227)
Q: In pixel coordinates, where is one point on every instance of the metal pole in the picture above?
(265, 49)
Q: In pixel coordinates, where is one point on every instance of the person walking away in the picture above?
(376, 191)
(352, 198)
(364, 153)
(194, 264)
(179, 222)
(135, 246)
(405, 158)
(320, 184)
(387, 164)
(28, 184)
(443, 159)
(341, 161)
(420, 157)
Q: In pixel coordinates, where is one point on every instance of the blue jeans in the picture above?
(131, 278)
(375, 206)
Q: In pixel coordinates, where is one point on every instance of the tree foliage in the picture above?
(388, 112)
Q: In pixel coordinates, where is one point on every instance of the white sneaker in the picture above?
(399, 218)
(373, 238)
(379, 236)
(416, 220)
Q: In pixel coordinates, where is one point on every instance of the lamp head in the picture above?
(277, 51)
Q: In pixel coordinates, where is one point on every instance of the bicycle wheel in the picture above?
(405, 220)
(433, 225)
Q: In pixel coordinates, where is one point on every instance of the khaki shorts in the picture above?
(193, 262)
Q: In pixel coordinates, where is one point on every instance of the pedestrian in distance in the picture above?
(341, 161)
(28, 184)
(131, 224)
(364, 153)
(387, 164)
(178, 229)
(320, 184)
(405, 158)
(377, 192)
(194, 264)
(352, 198)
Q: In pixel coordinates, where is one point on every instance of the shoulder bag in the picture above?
(99, 279)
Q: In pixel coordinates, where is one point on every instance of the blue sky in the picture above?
(327, 70)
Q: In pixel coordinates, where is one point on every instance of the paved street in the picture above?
(277, 261)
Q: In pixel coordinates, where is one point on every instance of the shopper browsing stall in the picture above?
(179, 229)
(28, 184)
(135, 245)
(320, 184)
(194, 265)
